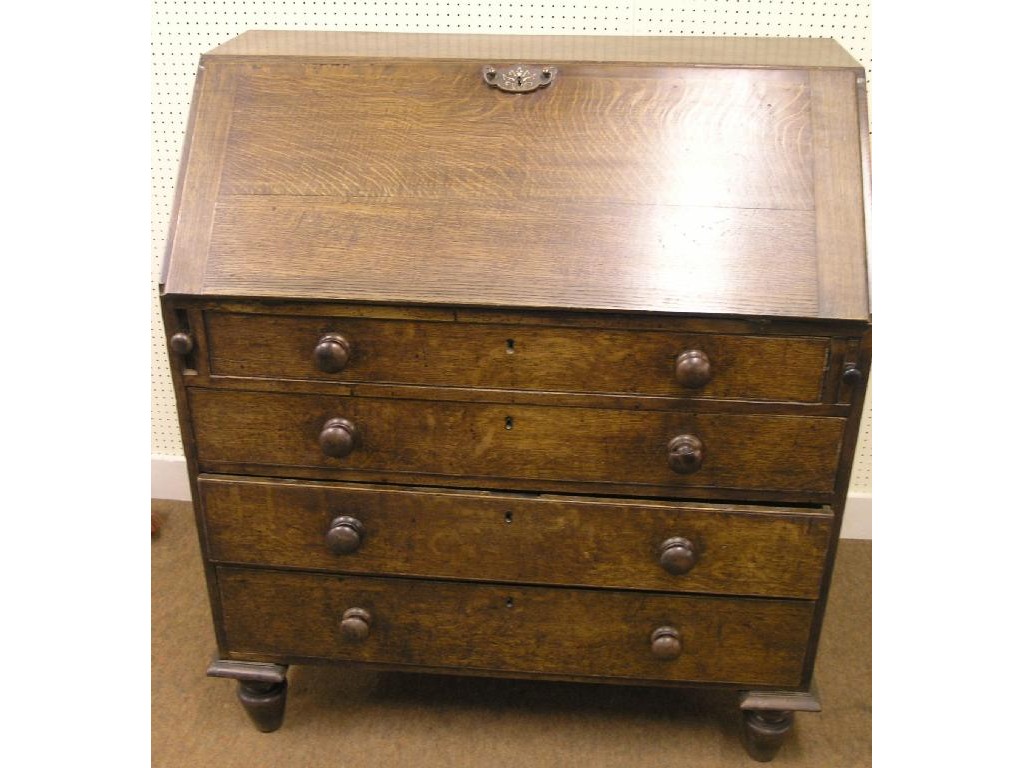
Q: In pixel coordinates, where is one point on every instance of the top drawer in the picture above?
(525, 357)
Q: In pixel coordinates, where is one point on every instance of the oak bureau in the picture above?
(522, 356)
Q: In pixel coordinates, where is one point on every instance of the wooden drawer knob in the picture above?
(693, 369)
(666, 644)
(355, 624)
(678, 555)
(345, 535)
(852, 375)
(338, 438)
(685, 454)
(182, 343)
(332, 352)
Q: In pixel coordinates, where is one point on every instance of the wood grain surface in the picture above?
(531, 358)
(839, 194)
(731, 51)
(517, 441)
(605, 134)
(741, 550)
(599, 633)
(632, 188)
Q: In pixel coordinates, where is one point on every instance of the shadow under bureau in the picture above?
(522, 356)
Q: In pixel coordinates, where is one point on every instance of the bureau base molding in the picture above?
(169, 481)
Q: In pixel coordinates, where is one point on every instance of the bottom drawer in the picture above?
(274, 615)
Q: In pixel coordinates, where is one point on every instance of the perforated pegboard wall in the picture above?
(184, 29)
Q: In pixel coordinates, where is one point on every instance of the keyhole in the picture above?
(510, 346)
(508, 422)
(508, 602)
(508, 517)
(519, 80)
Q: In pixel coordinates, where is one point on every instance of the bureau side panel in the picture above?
(858, 355)
(178, 318)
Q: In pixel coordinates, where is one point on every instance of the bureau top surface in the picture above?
(710, 176)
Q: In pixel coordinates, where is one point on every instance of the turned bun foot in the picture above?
(262, 689)
(764, 731)
(264, 703)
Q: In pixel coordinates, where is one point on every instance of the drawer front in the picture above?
(570, 632)
(519, 357)
(502, 537)
(479, 440)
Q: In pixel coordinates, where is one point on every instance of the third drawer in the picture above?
(552, 540)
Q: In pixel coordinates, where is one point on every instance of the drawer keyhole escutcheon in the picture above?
(510, 346)
(332, 352)
(508, 517)
(666, 643)
(508, 422)
(345, 535)
(685, 454)
(693, 369)
(338, 438)
(677, 555)
(355, 624)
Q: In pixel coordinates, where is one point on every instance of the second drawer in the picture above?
(672, 453)
(665, 546)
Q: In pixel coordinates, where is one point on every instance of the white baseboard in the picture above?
(857, 517)
(170, 481)
(169, 478)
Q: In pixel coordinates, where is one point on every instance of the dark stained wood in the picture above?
(859, 351)
(189, 239)
(677, 555)
(675, 323)
(685, 454)
(182, 343)
(338, 438)
(520, 396)
(169, 313)
(795, 701)
(778, 453)
(693, 368)
(838, 195)
(728, 51)
(634, 256)
(865, 153)
(658, 290)
(266, 674)
(344, 535)
(331, 353)
(527, 357)
(552, 540)
(355, 624)
(650, 137)
(651, 189)
(507, 627)
(666, 643)
(764, 732)
(262, 689)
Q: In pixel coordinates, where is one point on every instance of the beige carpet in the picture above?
(351, 718)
